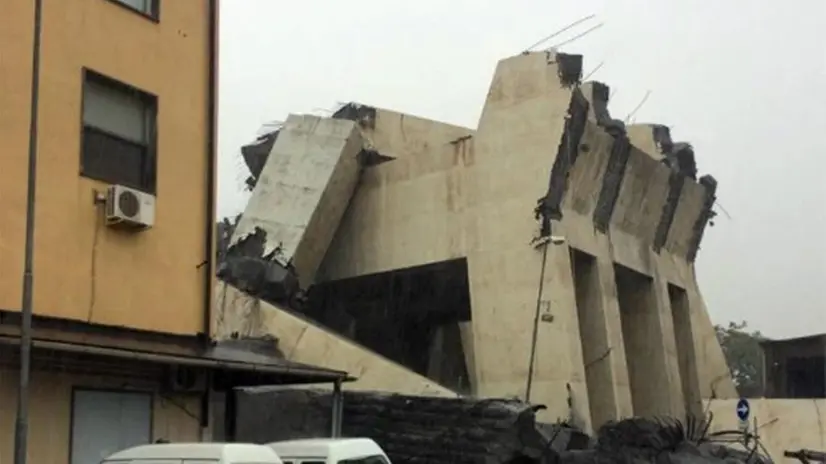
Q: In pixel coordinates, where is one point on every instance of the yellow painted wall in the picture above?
(782, 424)
(50, 413)
(149, 280)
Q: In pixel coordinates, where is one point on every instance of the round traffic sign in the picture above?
(743, 409)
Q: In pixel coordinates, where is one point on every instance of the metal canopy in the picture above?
(233, 355)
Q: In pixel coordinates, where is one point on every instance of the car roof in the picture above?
(323, 447)
(209, 451)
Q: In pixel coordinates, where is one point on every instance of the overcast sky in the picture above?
(744, 81)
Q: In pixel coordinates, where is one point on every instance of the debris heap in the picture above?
(410, 429)
(415, 430)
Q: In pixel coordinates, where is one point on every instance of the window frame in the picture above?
(153, 15)
(149, 177)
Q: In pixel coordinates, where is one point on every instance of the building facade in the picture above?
(795, 367)
(123, 241)
(125, 98)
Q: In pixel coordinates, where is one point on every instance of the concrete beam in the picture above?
(706, 214)
(303, 341)
(517, 145)
(399, 136)
(255, 155)
(586, 175)
(550, 206)
(611, 183)
(303, 191)
(652, 139)
(681, 233)
(597, 94)
(641, 197)
(675, 188)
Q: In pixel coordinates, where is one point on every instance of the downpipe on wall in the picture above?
(21, 426)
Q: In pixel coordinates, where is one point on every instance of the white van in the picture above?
(195, 453)
(330, 451)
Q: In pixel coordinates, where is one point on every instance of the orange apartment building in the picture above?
(123, 244)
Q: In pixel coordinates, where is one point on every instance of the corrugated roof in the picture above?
(803, 339)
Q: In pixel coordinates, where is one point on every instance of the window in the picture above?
(118, 143)
(148, 8)
(104, 422)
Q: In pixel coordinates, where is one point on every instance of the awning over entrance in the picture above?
(243, 359)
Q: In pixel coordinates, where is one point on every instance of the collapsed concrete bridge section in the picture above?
(547, 255)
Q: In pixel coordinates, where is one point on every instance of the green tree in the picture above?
(744, 356)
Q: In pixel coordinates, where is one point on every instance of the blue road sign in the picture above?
(743, 409)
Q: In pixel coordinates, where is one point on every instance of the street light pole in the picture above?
(21, 426)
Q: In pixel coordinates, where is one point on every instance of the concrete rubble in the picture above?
(415, 429)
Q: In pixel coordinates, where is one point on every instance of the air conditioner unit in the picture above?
(185, 379)
(129, 208)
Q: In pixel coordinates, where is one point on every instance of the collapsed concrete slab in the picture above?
(655, 141)
(255, 154)
(301, 193)
(302, 340)
(391, 135)
(576, 247)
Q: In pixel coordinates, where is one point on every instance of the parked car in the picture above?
(330, 451)
(195, 453)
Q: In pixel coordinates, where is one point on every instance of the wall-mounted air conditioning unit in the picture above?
(185, 379)
(129, 208)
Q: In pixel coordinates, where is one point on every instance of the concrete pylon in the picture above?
(528, 137)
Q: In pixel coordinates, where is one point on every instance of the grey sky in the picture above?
(744, 81)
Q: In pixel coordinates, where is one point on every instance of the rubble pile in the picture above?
(468, 430)
(410, 429)
(668, 441)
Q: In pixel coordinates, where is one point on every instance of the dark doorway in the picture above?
(642, 335)
(593, 335)
(684, 338)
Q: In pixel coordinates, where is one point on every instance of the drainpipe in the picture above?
(212, 122)
(21, 426)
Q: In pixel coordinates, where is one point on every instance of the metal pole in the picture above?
(21, 426)
(335, 429)
(340, 422)
(535, 336)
